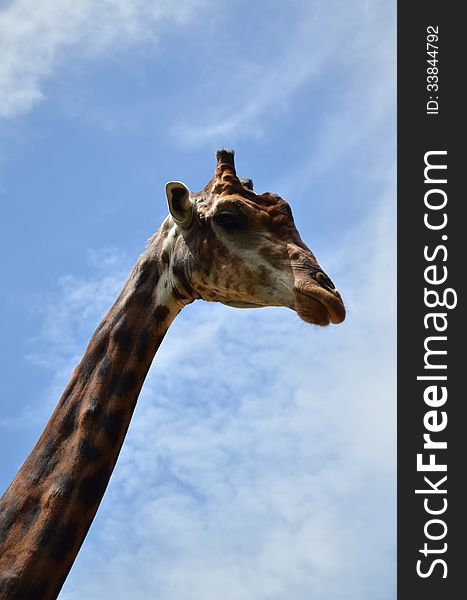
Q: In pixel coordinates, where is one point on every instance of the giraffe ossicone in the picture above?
(224, 244)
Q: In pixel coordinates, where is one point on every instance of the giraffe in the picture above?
(224, 244)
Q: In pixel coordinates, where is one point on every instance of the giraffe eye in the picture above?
(230, 222)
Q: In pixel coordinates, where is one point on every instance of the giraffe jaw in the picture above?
(241, 304)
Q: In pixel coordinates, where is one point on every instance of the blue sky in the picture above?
(260, 462)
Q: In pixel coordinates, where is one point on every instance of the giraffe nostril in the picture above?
(324, 281)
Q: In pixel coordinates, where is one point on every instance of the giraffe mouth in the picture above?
(319, 307)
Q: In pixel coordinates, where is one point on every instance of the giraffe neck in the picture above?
(48, 508)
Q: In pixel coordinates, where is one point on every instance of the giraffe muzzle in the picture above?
(317, 300)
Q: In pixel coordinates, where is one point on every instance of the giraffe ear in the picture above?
(180, 206)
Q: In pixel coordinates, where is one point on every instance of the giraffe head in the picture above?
(228, 244)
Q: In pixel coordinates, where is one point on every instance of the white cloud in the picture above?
(312, 41)
(67, 316)
(36, 38)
